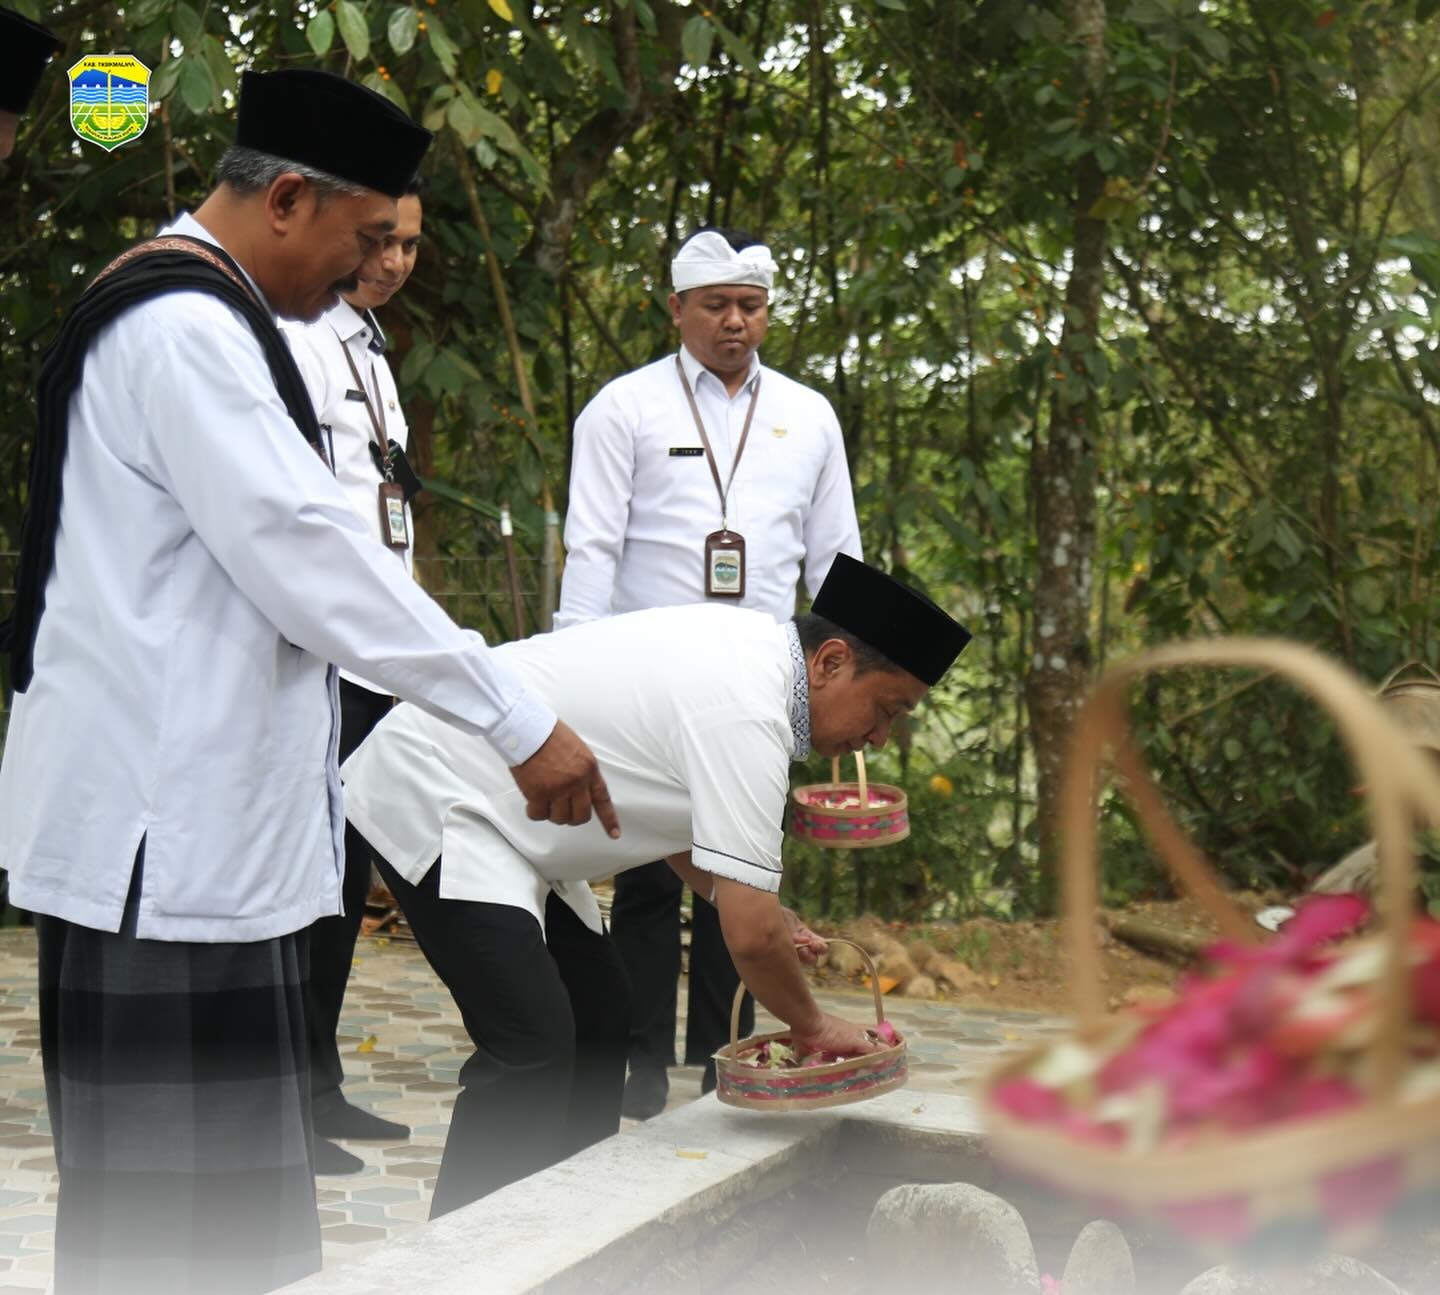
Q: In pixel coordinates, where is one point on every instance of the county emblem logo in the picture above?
(109, 99)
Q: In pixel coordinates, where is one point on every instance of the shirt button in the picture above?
(512, 744)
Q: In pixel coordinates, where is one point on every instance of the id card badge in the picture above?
(724, 565)
(392, 516)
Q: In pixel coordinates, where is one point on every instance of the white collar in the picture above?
(186, 224)
(694, 370)
(347, 321)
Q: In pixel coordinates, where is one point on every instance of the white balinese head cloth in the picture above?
(708, 259)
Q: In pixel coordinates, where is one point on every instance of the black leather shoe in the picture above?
(645, 1094)
(341, 1120)
(330, 1159)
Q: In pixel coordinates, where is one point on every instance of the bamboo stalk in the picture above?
(167, 138)
(512, 574)
(507, 319)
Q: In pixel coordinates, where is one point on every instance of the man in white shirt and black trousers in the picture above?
(169, 795)
(705, 475)
(696, 714)
(341, 356)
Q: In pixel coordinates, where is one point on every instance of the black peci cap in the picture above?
(894, 619)
(333, 125)
(25, 48)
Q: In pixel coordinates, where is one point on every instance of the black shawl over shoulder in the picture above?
(171, 263)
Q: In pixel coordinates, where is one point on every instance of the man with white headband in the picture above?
(704, 476)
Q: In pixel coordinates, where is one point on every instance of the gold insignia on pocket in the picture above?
(778, 431)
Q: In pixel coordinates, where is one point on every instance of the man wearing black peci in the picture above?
(169, 793)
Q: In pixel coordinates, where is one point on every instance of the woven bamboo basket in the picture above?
(1411, 693)
(836, 1083)
(850, 815)
(1333, 1180)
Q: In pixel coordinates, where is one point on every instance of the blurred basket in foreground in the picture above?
(850, 815)
(807, 1088)
(1329, 1180)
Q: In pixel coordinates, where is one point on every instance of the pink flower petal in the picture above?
(1426, 983)
(1317, 1095)
(1320, 919)
(1027, 1100)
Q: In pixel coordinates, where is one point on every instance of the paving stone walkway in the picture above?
(402, 1045)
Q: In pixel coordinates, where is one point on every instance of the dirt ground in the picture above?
(1020, 964)
(991, 963)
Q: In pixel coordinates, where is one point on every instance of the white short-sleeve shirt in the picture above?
(688, 712)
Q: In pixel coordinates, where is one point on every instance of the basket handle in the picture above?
(1395, 675)
(860, 770)
(1397, 778)
(835, 939)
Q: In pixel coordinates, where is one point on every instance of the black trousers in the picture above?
(645, 922)
(179, 1103)
(548, 1013)
(332, 939)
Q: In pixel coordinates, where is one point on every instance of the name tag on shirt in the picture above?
(355, 395)
(687, 451)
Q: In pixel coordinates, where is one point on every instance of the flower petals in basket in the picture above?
(764, 1073)
(1289, 1100)
(850, 815)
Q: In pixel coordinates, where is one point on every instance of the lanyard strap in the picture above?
(374, 409)
(722, 491)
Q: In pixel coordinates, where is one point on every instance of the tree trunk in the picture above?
(1064, 470)
(586, 155)
(1154, 939)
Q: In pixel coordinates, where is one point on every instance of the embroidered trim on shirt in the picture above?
(749, 863)
(799, 696)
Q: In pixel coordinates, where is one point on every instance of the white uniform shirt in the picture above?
(688, 712)
(638, 513)
(344, 421)
(207, 567)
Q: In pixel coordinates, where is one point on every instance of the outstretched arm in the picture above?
(761, 936)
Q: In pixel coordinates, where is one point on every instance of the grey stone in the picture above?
(1341, 1275)
(939, 1237)
(1332, 1275)
(1228, 1281)
(1099, 1262)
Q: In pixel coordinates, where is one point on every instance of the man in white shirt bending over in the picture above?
(695, 714)
(703, 476)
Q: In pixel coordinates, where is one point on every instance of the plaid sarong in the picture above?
(178, 1087)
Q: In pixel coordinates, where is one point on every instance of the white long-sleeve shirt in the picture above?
(639, 512)
(694, 713)
(344, 421)
(207, 567)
